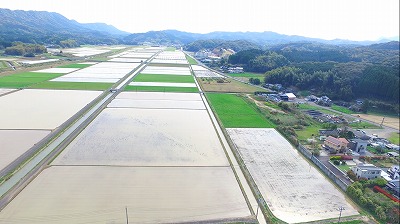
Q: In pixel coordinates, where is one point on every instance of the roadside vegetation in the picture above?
(191, 60)
(370, 195)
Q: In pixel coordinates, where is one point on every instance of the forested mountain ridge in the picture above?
(50, 28)
(102, 27)
(236, 45)
(263, 39)
(342, 73)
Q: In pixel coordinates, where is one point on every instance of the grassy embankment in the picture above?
(191, 60)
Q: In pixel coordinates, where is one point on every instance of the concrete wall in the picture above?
(322, 167)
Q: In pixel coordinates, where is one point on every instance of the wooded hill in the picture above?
(341, 72)
(51, 28)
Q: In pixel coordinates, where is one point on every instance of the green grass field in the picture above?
(248, 75)
(234, 112)
(363, 125)
(305, 106)
(25, 79)
(272, 105)
(343, 168)
(72, 85)
(191, 60)
(308, 132)
(342, 109)
(163, 78)
(394, 138)
(162, 89)
(170, 49)
(75, 66)
(3, 64)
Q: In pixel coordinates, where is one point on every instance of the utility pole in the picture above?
(126, 214)
(340, 214)
(383, 119)
(257, 210)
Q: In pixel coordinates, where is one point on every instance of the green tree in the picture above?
(365, 106)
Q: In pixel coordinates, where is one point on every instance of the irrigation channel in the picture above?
(24, 175)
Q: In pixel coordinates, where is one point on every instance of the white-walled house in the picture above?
(367, 171)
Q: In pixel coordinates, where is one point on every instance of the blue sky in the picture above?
(327, 19)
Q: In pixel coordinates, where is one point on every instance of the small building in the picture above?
(324, 101)
(367, 171)
(392, 154)
(394, 185)
(311, 98)
(358, 145)
(329, 132)
(392, 146)
(385, 176)
(336, 144)
(394, 172)
(287, 97)
(235, 70)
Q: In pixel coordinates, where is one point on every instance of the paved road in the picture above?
(325, 161)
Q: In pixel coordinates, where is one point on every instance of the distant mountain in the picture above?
(165, 37)
(392, 45)
(236, 45)
(267, 38)
(51, 28)
(102, 27)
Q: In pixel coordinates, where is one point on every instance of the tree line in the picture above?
(23, 49)
(345, 73)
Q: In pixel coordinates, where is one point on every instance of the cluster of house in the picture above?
(369, 172)
(228, 69)
(325, 118)
(235, 70)
(275, 97)
(359, 146)
(394, 184)
(323, 100)
(277, 87)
